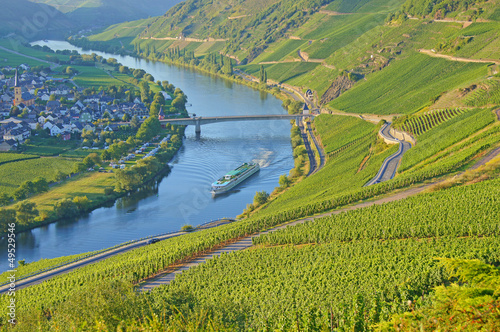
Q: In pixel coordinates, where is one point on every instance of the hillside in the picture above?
(330, 46)
(352, 256)
(106, 12)
(32, 21)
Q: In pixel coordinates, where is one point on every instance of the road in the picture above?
(321, 152)
(454, 58)
(391, 163)
(310, 153)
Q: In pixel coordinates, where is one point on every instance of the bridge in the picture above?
(199, 121)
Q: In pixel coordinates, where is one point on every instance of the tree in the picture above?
(126, 117)
(91, 160)
(138, 73)
(284, 181)
(59, 176)
(65, 208)
(134, 123)
(262, 75)
(105, 155)
(78, 168)
(4, 199)
(40, 185)
(24, 190)
(7, 216)
(82, 203)
(106, 115)
(52, 97)
(178, 103)
(149, 128)
(127, 179)
(26, 212)
(154, 109)
(260, 198)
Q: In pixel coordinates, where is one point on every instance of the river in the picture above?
(183, 197)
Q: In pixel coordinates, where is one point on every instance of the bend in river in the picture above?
(183, 197)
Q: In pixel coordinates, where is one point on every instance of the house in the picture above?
(7, 145)
(45, 97)
(89, 126)
(56, 129)
(53, 104)
(66, 136)
(14, 134)
(85, 116)
(77, 127)
(48, 125)
(79, 104)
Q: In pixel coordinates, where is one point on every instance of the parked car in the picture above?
(153, 240)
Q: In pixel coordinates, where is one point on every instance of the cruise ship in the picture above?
(233, 178)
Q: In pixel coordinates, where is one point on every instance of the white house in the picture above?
(57, 129)
(48, 125)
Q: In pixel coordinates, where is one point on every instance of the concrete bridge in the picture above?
(199, 121)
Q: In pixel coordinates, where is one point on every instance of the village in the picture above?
(33, 100)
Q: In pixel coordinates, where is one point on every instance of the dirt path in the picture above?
(454, 58)
(374, 118)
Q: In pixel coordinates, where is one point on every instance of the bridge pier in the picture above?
(197, 126)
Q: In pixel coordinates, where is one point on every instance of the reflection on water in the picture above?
(183, 197)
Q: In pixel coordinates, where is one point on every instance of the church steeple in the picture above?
(18, 93)
(16, 80)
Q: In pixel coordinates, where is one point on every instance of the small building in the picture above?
(7, 145)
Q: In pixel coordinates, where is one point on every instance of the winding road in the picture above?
(391, 163)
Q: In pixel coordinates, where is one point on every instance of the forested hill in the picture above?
(31, 20)
(91, 13)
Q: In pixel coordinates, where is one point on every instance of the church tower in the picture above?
(17, 91)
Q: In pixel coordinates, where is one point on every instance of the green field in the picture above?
(407, 85)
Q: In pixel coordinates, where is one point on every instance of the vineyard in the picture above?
(448, 133)
(347, 286)
(419, 124)
(14, 173)
(312, 286)
(414, 217)
(488, 94)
